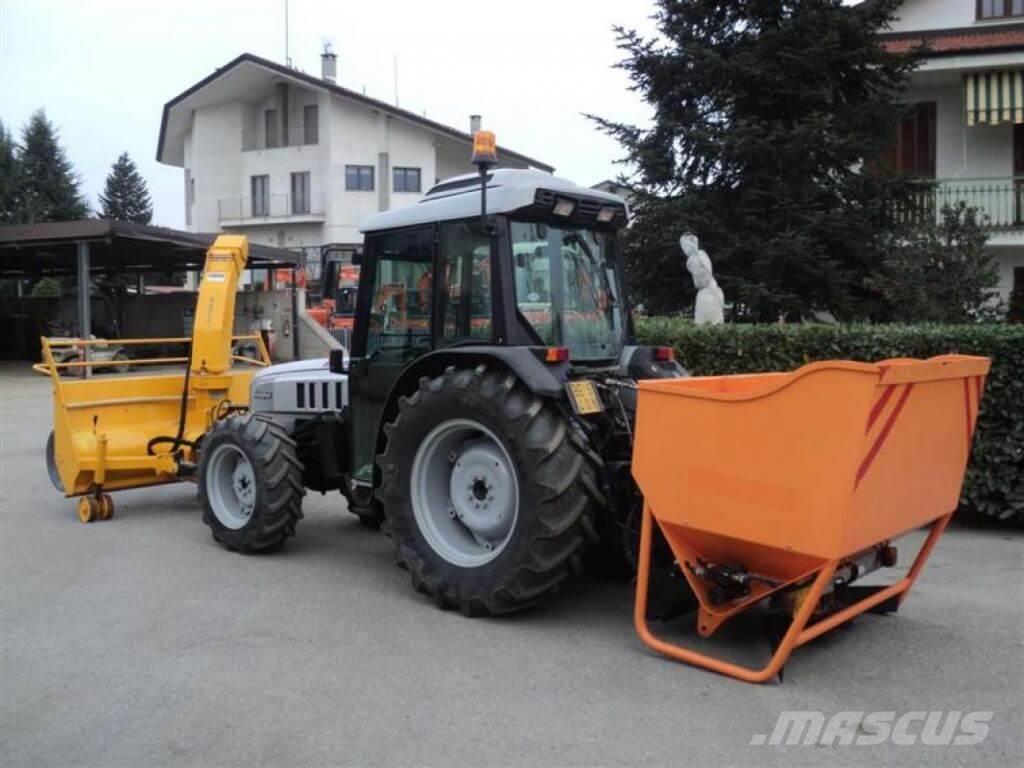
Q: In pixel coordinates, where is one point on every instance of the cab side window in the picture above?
(400, 307)
(465, 272)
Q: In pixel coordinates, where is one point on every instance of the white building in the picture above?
(297, 161)
(966, 128)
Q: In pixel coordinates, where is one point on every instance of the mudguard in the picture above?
(545, 379)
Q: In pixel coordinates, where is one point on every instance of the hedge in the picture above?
(994, 485)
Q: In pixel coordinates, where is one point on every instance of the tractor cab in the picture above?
(540, 269)
(534, 281)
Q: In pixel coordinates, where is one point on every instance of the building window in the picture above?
(270, 128)
(311, 123)
(913, 152)
(999, 9)
(359, 178)
(260, 195)
(300, 192)
(406, 180)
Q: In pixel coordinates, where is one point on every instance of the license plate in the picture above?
(583, 396)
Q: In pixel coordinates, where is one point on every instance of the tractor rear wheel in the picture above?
(250, 484)
(487, 500)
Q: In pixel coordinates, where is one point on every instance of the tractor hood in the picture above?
(288, 369)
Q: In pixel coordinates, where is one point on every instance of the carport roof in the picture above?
(115, 246)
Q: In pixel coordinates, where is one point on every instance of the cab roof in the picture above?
(508, 190)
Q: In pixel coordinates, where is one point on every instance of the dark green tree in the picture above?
(125, 195)
(940, 271)
(763, 113)
(46, 184)
(8, 173)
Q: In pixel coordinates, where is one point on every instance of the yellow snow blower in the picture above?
(135, 430)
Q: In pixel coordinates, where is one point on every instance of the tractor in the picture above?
(484, 413)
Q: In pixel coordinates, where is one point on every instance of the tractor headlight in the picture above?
(606, 214)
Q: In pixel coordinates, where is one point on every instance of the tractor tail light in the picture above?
(664, 354)
(556, 355)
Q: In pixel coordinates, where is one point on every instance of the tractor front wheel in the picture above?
(488, 502)
(250, 484)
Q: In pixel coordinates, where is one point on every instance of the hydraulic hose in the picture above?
(179, 439)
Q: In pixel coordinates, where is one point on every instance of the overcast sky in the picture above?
(102, 70)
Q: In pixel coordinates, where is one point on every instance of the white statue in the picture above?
(710, 304)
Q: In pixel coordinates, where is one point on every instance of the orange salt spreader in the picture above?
(788, 486)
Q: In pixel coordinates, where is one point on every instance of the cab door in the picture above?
(394, 328)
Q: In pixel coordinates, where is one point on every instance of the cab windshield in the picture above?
(566, 287)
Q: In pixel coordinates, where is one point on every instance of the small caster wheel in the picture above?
(88, 509)
(106, 505)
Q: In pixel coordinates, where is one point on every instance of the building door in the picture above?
(913, 150)
(917, 141)
(912, 153)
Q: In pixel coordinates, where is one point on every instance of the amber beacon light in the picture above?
(485, 149)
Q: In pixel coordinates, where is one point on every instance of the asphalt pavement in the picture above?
(139, 641)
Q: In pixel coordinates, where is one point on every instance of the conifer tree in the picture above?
(125, 195)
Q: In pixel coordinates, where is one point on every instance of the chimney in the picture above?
(328, 64)
(474, 124)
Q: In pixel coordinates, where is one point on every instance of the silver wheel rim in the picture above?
(465, 493)
(231, 486)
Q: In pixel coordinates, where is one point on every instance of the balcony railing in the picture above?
(267, 207)
(999, 201)
(253, 142)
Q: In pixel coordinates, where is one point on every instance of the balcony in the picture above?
(270, 209)
(999, 201)
(253, 142)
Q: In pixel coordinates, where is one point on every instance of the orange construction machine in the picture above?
(339, 280)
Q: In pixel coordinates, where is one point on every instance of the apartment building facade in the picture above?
(965, 126)
(297, 161)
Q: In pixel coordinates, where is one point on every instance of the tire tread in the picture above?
(562, 479)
